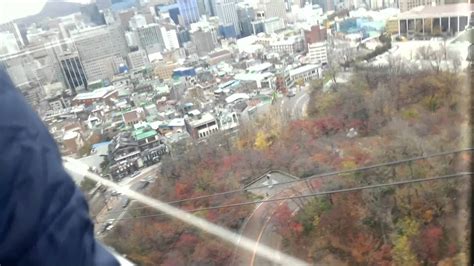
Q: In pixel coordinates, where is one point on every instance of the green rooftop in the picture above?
(143, 133)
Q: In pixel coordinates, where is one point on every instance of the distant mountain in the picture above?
(52, 8)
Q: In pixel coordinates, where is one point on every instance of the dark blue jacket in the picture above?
(44, 217)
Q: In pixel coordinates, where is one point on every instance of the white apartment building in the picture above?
(170, 38)
(317, 52)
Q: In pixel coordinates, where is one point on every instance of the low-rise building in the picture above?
(164, 71)
(317, 53)
(427, 21)
(72, 141)
(123, 156)
(263, 80)
(305, 73)
(202, 126)
(290, 46)
(133, 117)
(104, 95)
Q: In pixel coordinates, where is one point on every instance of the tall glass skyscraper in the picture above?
(189, 11)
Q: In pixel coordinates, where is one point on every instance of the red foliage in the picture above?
(187, 241)
(174, 259)
(383, 256)
(428, 244)
(286, 226)
(182, 190)
(317, 127)
(361, 244)
(212, 216)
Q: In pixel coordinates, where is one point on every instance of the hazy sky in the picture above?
(13, 9)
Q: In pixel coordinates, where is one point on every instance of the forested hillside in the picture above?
(398, 112)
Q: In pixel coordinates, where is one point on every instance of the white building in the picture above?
(263, 80)
(8, 43)
(132, 39)
(13, 28)
(290, 46)
(137, 59)
(226, 11)
(274, 24)
(170, 38)
(305, 73)
(317, 53)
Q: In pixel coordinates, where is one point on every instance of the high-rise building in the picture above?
(210, 7)
(8, 43)
(13, 29)
(91, 15)
(274, 8)
(202, 7)
(73, 71)
(226, 11)
(183, 36)
(150, 38)
(103, 4)
(205, 40)
(273, 24)
(245, 15)
(137, 59)
(188, 11)
(98, 47)
(170, 38)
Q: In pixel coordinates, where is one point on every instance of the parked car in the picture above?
(125, 201)
(148, 179)
(136, 173)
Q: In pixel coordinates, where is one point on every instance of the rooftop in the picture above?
(143, 133)
(461, 9)
(302, 69)
(205, 118)
(98, 93)
(237, 96)
(253, 76)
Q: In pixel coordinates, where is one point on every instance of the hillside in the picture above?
(399, 112)
(52, 8)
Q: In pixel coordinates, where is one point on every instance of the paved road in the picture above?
(115, 210)
(294, 107)
(260, 228)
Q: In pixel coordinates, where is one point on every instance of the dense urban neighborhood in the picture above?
(258, 115)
